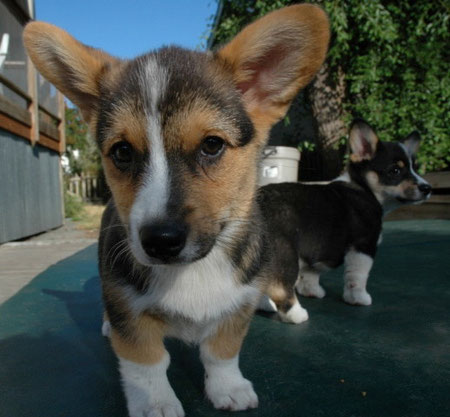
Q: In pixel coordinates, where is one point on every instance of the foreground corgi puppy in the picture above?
(313, 228)
(180, 134)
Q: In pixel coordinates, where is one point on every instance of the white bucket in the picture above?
(279, 164)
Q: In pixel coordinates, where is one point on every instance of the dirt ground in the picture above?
(90, 220)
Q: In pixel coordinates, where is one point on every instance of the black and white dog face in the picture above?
(387, 168)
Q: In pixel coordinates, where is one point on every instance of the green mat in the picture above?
(390, 359)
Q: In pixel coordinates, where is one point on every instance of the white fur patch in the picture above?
(296, 314)
(345, 177)
(201, 292)
(417, 177)
(148, 391)
(151, 199)
(357, 268)
(380, 239)
(106, 328)
(224, 384)
(308, 285)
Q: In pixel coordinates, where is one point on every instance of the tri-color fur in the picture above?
(313, 228)
(181, 243)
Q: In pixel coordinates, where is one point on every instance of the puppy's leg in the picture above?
(357, 268)
(281, 276)
(290, 310)
(308, 284)
(224, 384)
(143, 363)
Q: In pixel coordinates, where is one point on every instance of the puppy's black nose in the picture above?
(425, 188)
(163, 240)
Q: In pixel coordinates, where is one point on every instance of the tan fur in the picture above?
(276, 292)
(188, 128)
(146, 346)
(123, 187)
(227, 341)
(406, 189)
(128, 125)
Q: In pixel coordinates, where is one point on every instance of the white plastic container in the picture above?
(279, 164)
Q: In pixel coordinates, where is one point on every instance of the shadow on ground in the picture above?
(390, 359)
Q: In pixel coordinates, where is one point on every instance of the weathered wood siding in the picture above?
(30, 189)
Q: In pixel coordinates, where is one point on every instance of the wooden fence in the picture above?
(90, 188)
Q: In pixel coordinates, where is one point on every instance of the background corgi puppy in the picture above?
(313, 228)
(180, 134)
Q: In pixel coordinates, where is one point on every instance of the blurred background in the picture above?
(388, 63)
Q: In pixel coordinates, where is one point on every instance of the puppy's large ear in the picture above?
(363, 141)
(412, 142)
(75, 69)
(274, 57)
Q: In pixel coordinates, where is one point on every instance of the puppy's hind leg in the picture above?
(285, 301)
(290, 311)
(357, 268)
(308, 284)
(280, 290)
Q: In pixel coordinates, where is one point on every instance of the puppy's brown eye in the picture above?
(122, 155)
(212, 146)
(394, 171)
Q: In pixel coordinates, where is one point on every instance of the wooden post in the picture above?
(62, 123)
(33, 105)
(62, 145)
(83, 188)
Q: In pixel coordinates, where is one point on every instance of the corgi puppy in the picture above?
(313, 228)
(180, 134)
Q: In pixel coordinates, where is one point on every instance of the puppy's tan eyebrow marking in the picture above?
(401, 164)
(128, 125)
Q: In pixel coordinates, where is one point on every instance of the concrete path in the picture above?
(21, 261)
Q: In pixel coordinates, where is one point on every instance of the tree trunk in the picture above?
(326, 96)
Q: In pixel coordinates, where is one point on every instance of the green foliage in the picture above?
(306, 145)
(81, 150)
(73, 205)
(395, 57)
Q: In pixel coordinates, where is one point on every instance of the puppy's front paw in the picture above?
(232, 394)
(160, 410)
(148, 391)
(164, 405)
(296, 314)
(357, 296)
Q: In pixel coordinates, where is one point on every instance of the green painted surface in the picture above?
(54, 362)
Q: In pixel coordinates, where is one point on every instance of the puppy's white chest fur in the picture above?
(201, 292)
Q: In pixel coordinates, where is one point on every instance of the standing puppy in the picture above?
(313, 228)
(180, 134)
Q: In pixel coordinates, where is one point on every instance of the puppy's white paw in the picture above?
(148, 391)
(106, 328)
(310, 290)
(296, 314)
(157, 410)
(232, 394)
(357, 296)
